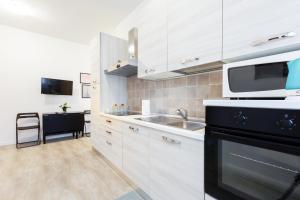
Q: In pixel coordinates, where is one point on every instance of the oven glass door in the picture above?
(241, 168)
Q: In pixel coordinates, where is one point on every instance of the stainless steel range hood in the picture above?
(128, 67)
(213, 66)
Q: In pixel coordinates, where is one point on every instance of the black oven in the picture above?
(252, 154)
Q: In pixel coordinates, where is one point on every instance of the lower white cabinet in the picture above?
(108, 142)
(176, 167)
(136, 155)
(164, 165)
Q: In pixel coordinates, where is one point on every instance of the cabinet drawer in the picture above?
(112, 123)
(177, 167)
(111, 135)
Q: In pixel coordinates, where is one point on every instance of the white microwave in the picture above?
(263, 77)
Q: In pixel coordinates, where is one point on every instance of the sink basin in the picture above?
(193, 126)
(174, 122)
(160, 119)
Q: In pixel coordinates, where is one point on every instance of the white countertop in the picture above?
(198, 135)
(277, 104)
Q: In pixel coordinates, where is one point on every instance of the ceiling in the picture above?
(74, 20)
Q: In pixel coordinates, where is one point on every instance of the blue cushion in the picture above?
(293, 80)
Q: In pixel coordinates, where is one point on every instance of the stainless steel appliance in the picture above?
(174, 122)
(258, 78)
(252, 153)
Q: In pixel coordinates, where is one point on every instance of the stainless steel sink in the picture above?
(174, 122)
(160, 119)
(189, 125)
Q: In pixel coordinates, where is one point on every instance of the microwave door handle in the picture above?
(274, 38)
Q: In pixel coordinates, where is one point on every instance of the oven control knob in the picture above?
(240, 118)
(286, 124)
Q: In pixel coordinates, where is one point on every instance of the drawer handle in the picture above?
(109, 143)
(108, 132)
(108, 121)
(275, 38)
(170, 140)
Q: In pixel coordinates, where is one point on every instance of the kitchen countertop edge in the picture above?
(197, 135)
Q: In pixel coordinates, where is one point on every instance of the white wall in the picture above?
(128, 23)
(25, 57)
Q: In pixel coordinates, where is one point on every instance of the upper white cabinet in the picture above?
(256, 27)
(114, 51)
(194, 33)
(113, 88)
(95, 74)
(152, 34)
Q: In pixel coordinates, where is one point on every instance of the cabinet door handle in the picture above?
(108, 121)
(135, 130)
(170, 140)
(275, 38)
(188, 60)
(109, 132)
(109, 143)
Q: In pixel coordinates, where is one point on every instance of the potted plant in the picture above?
(64, 107)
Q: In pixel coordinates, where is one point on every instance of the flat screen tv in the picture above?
(56, 87)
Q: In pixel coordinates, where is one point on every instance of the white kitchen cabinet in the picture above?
(136, 155)
(94, 53)
(113, 88)
(95, 74)
(248, 23)
(152, 38)
(194, 33)
(108, 142)
(176, 167)
(115, 51)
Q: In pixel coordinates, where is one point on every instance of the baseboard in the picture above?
(4, 144)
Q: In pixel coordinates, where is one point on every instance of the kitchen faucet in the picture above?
(183, 113)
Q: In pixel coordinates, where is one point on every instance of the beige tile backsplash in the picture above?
(168, 95)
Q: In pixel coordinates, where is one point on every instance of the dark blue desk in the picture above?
(61, 123)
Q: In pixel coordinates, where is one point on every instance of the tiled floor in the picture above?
(60, 171)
